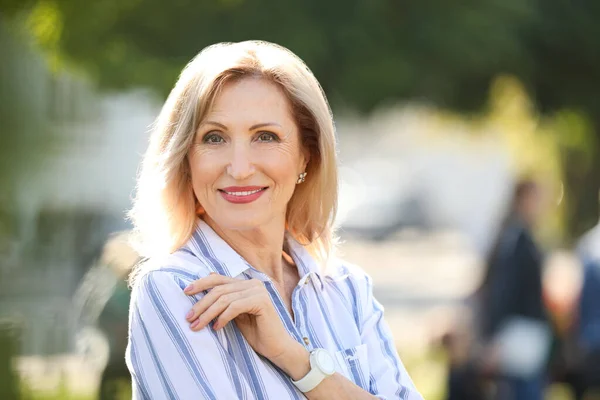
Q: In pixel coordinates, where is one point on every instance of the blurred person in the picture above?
(506, 354)
(513, 318)
(241, 296)
(588, 327)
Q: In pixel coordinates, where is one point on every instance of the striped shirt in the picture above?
(334, 310)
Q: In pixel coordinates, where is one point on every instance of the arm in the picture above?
(529, 278)
(389, 379)
(249, 304)
(166, 359)
(503, 288)
(295, 363)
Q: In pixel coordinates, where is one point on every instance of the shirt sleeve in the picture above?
(168, 360)
(389, 379)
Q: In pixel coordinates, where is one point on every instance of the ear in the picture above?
(304, 158)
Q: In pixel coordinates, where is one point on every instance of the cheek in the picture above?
(282, 168)
(204, 170)
(285, 185)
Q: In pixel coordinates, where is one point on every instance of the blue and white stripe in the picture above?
(333, 310)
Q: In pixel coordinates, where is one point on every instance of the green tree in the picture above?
(563, 41)
(20, 148)
(365, 53)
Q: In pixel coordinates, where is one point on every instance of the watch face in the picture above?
(325, 362)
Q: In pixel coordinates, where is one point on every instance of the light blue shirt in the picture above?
(335, 310)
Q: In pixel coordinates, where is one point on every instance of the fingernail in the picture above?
(188, 289)
(195, 324)
(216, 325)
(189, 315)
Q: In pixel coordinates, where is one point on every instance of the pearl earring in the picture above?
(301, 178)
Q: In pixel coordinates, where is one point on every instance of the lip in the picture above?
(243, 199)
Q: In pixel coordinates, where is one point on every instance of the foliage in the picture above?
(24, 144)
(365, 53)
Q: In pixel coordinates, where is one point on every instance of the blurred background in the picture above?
(460, 125)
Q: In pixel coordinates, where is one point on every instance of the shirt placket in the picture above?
(299, 313)
(279, 304)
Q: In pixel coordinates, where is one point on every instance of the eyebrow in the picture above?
(253, 127)
(257, 126)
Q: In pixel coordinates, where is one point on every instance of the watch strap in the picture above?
(314, 376)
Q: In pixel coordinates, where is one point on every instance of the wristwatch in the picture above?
(322, 365)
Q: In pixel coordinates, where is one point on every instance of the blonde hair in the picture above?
(164, 209)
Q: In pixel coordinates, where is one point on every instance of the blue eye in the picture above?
(212, 138)
(267, 137)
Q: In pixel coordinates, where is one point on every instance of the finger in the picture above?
(212, 296)
(253, 302)
(216, 309)
(233, 310)
(208, 282)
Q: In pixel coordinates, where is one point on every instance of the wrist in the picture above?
(295, 362)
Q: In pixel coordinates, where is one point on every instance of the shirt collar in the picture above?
(305, 263)
(206, 245)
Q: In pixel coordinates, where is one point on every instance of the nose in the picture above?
(240, 166)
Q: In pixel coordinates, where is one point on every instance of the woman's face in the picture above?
(246, 156)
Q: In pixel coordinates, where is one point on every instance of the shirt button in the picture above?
(306, 341)
(307, 281)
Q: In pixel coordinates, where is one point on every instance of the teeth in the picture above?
(247, 193)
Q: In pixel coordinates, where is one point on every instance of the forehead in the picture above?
(252, 100)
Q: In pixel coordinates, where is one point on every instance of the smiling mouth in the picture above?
(242, 193)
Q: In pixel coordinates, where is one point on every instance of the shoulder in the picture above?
(342, 272)
(354, 285)
(339, 268)
(179, 268)
(159, 284)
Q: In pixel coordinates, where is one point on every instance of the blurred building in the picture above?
(399, 171)
(65, 210)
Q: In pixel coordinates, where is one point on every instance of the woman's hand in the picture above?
(247, 302)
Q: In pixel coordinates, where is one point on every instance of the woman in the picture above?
(241, 297)
(512, 301)
(509, 301)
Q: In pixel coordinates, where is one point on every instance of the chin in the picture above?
(245, 221)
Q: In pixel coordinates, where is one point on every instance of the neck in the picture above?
(261, 247)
